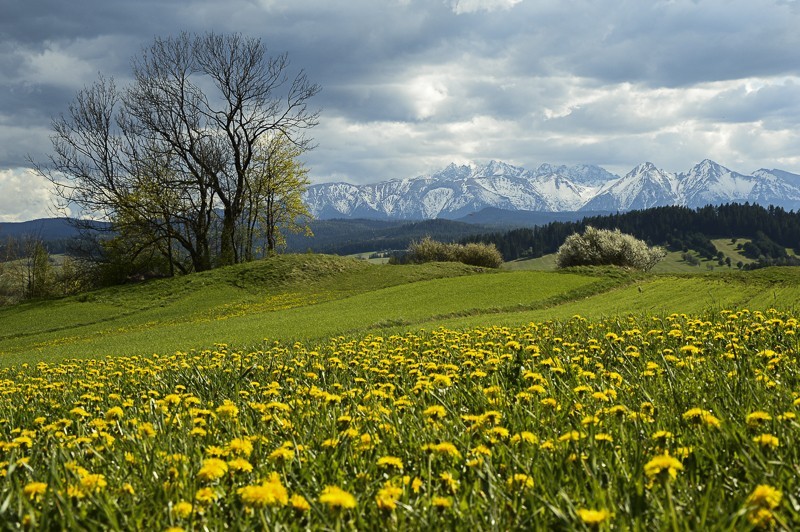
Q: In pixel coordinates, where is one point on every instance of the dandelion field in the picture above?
(652, 422)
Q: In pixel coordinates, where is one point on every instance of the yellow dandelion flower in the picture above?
(663, 464)
(761, 518)
(35, 490)
(765, 496)
(240, 465)
(336, 497)
(281, 453)
(146, 430)
(661, 436)
(93, 482)
(757, 419)
(524, 437)
(299, 503)
(450, 482)
(767, 441)
(443, 448)
(212, 469)
(241, 446)
(271, 493)
(435, 412)
(182, 509)
(572, 435)
(391, 461)
(519, 481)
(442, 502)
(206, 495)
(114, 413)
(228, 410)
(697, 415)
(388, 496)
(593, 517)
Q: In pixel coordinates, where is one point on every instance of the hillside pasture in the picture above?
(285, 298)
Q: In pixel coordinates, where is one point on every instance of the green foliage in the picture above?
(275, 188)
(597, 247)
(474, 254)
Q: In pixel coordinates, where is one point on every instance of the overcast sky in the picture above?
(412, 85)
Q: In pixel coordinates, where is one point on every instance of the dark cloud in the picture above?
(410, 85)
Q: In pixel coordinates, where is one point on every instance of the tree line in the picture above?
(771, 229)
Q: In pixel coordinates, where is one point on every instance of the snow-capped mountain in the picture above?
(643, 187)
(458, 190)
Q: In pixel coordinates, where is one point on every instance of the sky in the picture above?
(409, 86)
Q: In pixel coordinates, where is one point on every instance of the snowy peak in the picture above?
(458, 190)
(642, 188)
(710, 183)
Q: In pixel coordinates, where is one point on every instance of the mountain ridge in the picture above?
(460, 190)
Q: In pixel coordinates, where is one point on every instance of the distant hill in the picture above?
(345, 237)
(43, 228)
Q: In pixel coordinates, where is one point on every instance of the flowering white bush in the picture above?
(601, 246)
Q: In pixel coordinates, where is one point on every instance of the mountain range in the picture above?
(460, 190)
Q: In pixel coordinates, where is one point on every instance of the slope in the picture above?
(290, 297)
(309, 298)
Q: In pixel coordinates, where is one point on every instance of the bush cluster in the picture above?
(597, 247)
(474, 254)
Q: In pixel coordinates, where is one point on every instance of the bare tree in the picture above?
(208, 100)
(162, 158)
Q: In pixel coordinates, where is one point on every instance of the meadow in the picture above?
(314, 392)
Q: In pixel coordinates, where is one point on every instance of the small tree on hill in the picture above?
(596, 247)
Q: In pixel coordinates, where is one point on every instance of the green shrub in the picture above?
(474, 254)
(597, 247)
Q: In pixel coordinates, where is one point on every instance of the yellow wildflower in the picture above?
(663, 464)
(270, 493)
(182, 510)
(212, 469)
(35, 490)
(336, 497)
(593, 517)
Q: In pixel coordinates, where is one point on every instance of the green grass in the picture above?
(729, 249)
(666, 294)
(545, 263)
(294, 297)
(312, 297)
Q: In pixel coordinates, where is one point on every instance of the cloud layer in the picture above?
(411, 85)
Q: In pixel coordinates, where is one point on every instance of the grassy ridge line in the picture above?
(308, 298)
(414, 302)
(291, 297)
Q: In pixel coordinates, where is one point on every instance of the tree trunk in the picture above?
(227, 250)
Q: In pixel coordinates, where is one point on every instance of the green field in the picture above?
(311, 297)
(327, 393)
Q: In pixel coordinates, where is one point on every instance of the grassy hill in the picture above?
(422, 397)
(311, 297)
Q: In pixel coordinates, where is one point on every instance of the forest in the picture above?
(770, 230)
